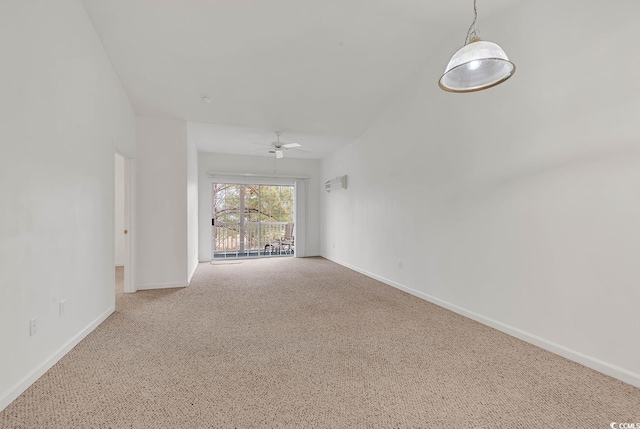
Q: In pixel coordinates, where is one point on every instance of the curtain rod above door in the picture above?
(273, 176)
(252, 178)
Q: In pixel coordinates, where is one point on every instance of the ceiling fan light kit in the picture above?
(478, 65)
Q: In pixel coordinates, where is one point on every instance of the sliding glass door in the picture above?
(253, 220)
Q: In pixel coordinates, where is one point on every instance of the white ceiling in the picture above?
(305, 67)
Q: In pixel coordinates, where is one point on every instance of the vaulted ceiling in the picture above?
(305, 67)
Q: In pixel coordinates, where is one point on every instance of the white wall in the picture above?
(119, 211)
(192, 207)
(520, 205)
(258, 165)
(161, 204)
(62, 113)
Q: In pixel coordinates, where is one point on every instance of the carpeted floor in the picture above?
(119, 282)
(305, 343)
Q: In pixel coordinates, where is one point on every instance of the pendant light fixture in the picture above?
(477, 65)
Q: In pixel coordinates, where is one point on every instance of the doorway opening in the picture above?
(119, 223)
(123, 219)
(253, 220)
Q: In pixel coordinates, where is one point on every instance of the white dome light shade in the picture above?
(476, 66)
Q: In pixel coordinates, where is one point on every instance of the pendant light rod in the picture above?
(472, 33)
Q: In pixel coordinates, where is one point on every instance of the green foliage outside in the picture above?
(261, 203)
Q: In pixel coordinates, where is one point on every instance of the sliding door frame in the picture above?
(300, 185)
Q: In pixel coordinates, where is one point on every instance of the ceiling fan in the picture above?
(278, 148)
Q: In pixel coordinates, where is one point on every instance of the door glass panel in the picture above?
(253, 220)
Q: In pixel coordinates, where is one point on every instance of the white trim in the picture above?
(300, 190)
(129, 216)
(581, 358)
(161, 286)
(17, 389)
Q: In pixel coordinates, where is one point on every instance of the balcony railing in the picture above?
(232, 240)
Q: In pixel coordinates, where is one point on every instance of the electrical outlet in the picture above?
(33, 327)
(399, 263)
(334, 245)
(61, 308)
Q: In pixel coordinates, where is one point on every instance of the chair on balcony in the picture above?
(287, 241)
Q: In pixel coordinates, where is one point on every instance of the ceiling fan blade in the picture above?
(291, 145)
(279, 154)
(301, 150)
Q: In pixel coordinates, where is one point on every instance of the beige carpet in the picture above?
(119, 282)
(305, 343)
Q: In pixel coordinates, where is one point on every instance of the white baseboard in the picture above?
(160, 286)
(17, 389)
(581, 358)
